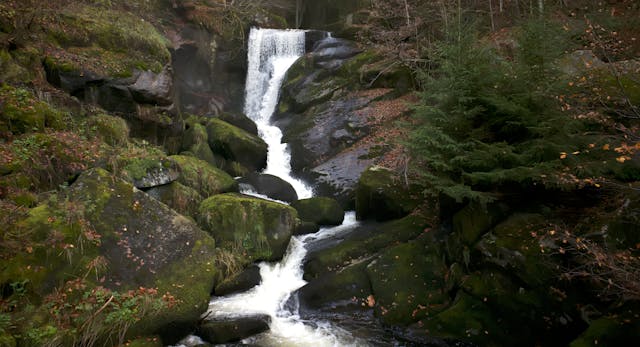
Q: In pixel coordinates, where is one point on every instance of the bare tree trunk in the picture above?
(493, 24)
(406, 10)
(540, 7)
(501, 5)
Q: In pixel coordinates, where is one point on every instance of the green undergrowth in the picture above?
(489, 124)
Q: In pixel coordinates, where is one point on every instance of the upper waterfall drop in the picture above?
(270, 54)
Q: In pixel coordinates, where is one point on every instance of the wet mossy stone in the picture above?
(241, 121)
(240, 282)
(362, 243)
(511, 247)
(237, 145)
(233, 329)
(306, 228)
(195, 134)
(409, 282)
(468, 320)
(271, 186)
(179, 197)
(204, 178)
(616, 330)
(348, 288)
(257, 228)
(319, 210)
(474, 220)
(382, 195)
(112, 130)
(145, 166)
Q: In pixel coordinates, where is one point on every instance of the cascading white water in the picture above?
(271, 53)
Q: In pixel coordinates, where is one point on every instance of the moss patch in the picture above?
(22, 112)
(204, 178)
(256, 228)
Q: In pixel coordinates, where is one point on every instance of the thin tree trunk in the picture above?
(406, 10)
(493, 24)
(501, 5)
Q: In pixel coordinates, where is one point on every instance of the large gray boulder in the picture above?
(154, 88)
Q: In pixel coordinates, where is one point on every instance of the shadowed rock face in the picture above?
(271, 186)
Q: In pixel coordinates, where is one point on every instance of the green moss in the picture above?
(471, 320)
(610, 331)
(10, 71)
(381, 194)
(112, 130)
(364, 244)
(204, 178)
(179, 197)
(236, 144)
(91, 40)
(22, 112)
(320, 210)
(408, 282)
(257, 228)
(510, 246)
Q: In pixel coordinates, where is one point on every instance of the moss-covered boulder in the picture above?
(361, 243)
(615, 330)
(144, 166)
(179, 197)
(204, 178)
(257, 228)
(408, 282)
(240, 282)
(319, 210)
(269, 185)
(241, 121)
(382, 195)
(103, 238)
(237, 145)
(512, 246)
(468, 319)
(348, 288)
(474, 220)
(233, 329)
(112, 130)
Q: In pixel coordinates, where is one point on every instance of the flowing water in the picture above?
(271, 53)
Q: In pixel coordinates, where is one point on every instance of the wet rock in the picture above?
(163, 173)
(364, 241)
(306, 228)
(259, 228)
(235, 144)
(345, 289)
(271, 186)
(474, 220)
(241, 121)
(406, 278)
(383, 195)
(233, 329)
(204, 178)
(243, 281)
(330, 52)
(152, 88)
(179, 197)
(319, 210)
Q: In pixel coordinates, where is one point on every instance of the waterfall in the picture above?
(271, 53)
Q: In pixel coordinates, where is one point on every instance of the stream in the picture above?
(270, 54)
